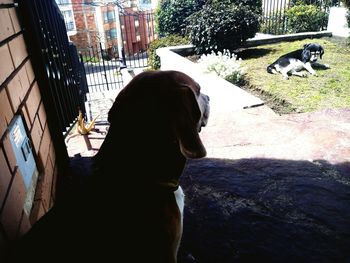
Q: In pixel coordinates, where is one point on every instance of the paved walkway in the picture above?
(234, 132)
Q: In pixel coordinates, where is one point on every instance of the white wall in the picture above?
(337, 23)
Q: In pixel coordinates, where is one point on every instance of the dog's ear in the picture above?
(306, 45)
(321, 52)
(305, 55)
(186, 118)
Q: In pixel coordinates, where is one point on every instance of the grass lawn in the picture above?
(330, 89)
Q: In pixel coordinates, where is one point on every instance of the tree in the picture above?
(224, 24)
(171, 15)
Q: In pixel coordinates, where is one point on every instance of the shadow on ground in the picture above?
(260, 210)
(253, 53)
(266, 210)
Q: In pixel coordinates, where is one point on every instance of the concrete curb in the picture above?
(257, 41)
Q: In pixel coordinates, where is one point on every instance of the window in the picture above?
(63, 2)
(109, 16)
(69, 20)
(137, 31)
(112, 33)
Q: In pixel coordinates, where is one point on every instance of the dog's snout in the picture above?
(207, 97)
(205, 109)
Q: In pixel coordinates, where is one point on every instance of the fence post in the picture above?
(104, 66)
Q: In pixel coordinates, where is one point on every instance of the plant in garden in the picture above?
(347, 5)
(224, 24)
(172, 40)
(319, 3)
(171, 15)
(305, 18)
(224, 64)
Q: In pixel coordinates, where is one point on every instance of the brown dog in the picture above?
(131, 208)
(155, 122)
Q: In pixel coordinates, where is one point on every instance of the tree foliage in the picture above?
(306, 18)
(224, 24)
(171, 15)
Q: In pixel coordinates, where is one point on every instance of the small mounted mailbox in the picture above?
(25, 159)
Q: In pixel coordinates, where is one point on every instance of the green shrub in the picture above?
(347, 5)
(306, 18)
(224, 24)
(171, 15)
(91, 59)
(319, 3)
(172, 40)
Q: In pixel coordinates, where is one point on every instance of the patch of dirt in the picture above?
(278, 105)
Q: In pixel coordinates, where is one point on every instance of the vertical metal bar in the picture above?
(83, 80)
(270, 13)
(61, 53)
(274, 17)
(132, 32)
(149, 29)
(264, 14)
(123, 56)
(280, 25)
(50, 18)
(143, 38)
(47, 56)
(83, 56)
(90, 68)
(34, 37)
(104, 68)
(122, 22)
(93, 68)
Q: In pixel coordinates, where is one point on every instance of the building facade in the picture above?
(119, 30)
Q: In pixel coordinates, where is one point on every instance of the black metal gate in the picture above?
(56, 66)
(103, 63)
(138, 31)
(274, 20)
(102, 69)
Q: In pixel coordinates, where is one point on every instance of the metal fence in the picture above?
(138, 31)
(102, 70)
(55, 62)
(274, 21)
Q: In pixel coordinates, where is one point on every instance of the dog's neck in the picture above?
(141, 162)
(170, 185)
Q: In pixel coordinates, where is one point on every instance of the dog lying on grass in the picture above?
(295, 61)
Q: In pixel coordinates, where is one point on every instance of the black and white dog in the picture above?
(298, 60)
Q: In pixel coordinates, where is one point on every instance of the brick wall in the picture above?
(20, 95)
(87, 34)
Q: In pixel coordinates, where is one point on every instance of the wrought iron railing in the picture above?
(55, 61)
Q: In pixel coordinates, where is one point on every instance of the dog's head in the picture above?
(163, 106)
(312, 52)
